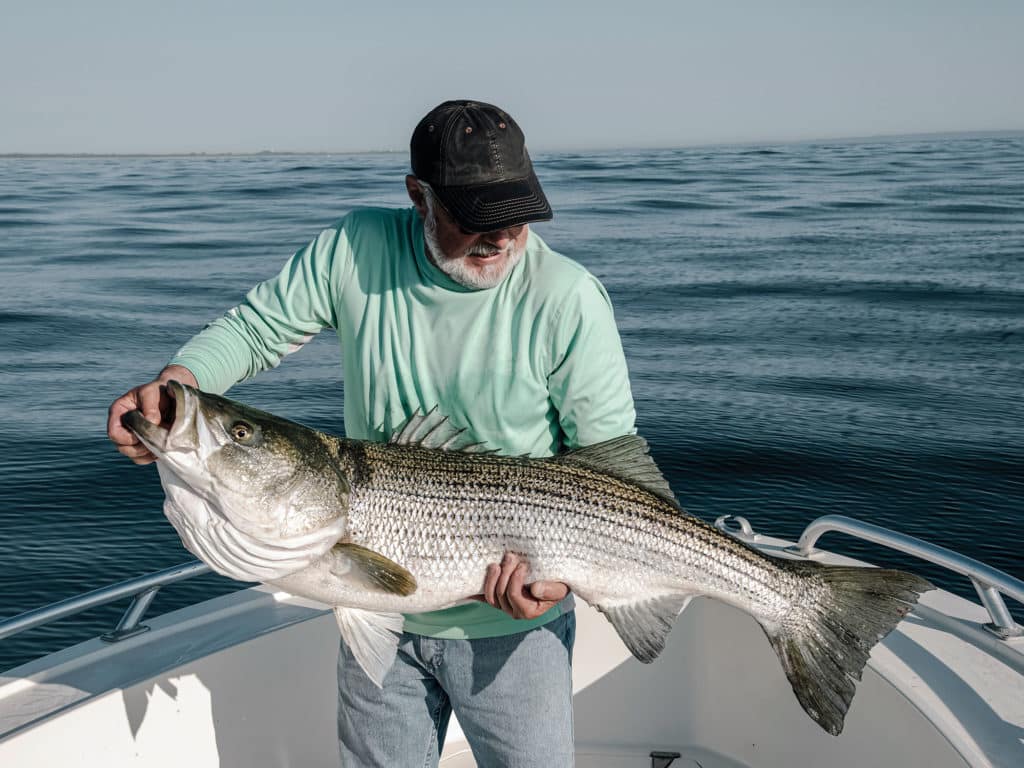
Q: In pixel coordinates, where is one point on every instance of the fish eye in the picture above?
(241, 432)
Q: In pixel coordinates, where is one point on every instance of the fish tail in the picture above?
(826, 637)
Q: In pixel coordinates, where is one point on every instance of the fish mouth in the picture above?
(177, 428)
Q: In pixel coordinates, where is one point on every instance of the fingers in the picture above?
(548, 591)
(496, 582)
(115, 429)
(154, 402)
(509, 563)
(490, 585)
(157, 407)
(139, 453)
(125, 440)
(520, 604)
(536, 599)
(505, 588)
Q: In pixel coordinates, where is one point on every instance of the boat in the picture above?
(248, 679)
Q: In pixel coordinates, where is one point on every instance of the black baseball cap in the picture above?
(473, 155)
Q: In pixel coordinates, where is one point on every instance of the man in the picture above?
(455, 304)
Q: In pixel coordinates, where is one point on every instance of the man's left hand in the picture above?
(505, 589)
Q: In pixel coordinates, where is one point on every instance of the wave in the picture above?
(662, 204)
(972, 209)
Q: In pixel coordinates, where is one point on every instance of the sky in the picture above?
(315, 75)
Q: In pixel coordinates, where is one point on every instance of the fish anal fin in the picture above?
(372, 638)
(644, 624)
(626, 458)
(379, 571)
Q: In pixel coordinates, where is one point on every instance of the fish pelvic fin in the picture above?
(826, 638)
(377, 570)
(372, 638)
(627, 458)
(644, 624)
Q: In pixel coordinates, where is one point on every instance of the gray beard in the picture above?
(456, 267)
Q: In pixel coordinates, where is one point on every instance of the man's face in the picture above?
(475, 260)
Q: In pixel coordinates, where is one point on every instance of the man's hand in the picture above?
(155, 405)
(504, 589)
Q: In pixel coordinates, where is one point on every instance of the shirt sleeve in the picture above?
(589, 383)
(278, 317)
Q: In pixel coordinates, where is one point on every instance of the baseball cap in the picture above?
(474, 157)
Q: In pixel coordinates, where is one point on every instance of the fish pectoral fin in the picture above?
(379, 571)
(644, 624)
(372, 638)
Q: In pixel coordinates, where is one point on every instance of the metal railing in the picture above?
(142, 590)
(990, 583)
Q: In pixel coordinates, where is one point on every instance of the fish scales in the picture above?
(450, 511)
(377, 530)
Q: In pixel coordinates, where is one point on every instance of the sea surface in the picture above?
(813, 328)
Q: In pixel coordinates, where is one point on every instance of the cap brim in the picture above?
(498, 205)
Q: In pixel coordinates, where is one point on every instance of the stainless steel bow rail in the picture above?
(142, 590)
(990, 583)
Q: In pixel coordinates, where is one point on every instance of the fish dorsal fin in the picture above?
(377, 570)
(644, 624)
(626, 458)
(372, 638)
(434, 430)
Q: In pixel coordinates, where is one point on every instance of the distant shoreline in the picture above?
(1007, 133)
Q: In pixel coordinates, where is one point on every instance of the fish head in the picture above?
(270, 478)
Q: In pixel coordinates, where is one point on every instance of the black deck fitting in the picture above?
(663, 759)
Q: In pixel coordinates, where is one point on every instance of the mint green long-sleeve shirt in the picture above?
(531, 366)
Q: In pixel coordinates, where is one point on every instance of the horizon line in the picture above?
(553, 149)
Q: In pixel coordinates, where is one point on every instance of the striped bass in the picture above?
(381, 529)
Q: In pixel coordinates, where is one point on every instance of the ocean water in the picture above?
(826, 327)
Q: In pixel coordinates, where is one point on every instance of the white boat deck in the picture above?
(248, 679)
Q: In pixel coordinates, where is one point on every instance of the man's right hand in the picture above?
(155, 405)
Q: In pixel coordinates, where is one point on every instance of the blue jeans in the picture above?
(512, 695)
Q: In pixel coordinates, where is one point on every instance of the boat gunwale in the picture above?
(989, 582)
